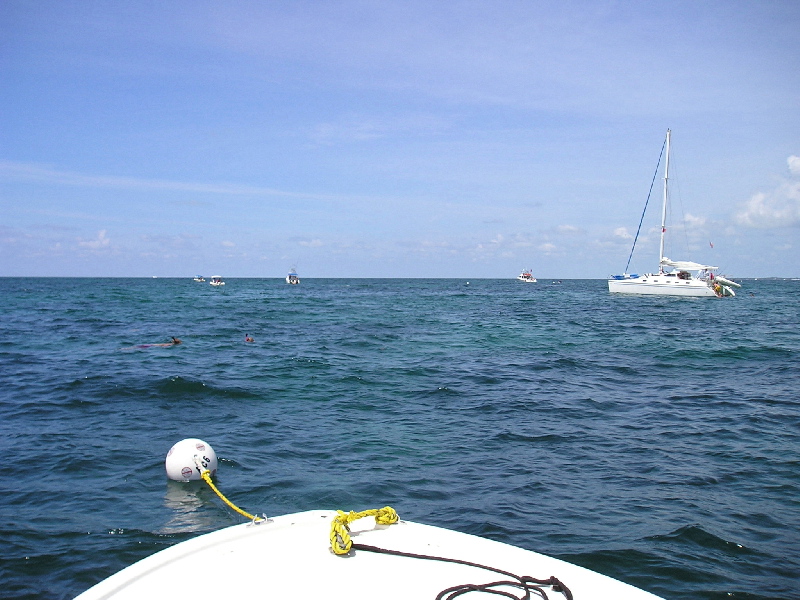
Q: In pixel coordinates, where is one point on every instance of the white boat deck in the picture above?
(290, 557)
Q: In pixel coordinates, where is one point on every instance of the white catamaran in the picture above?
(685, 278)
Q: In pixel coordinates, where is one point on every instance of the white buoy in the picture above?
(186, 459)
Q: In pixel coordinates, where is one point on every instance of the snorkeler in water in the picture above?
(175, 341)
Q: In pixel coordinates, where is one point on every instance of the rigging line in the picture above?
(652, 183)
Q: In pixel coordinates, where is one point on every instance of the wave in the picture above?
(694, 535)
(174, 387)
(508, 436)
(735, 352)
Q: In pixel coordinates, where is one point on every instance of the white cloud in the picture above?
(228, 244)
(17, 171)
(693, 221)
(622, 232)
(311, 243)
(100, 242)
(329, 133)
(547, 248)
(794, 164)
(357, 128)
(777, 208)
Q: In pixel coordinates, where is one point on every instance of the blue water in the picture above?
(656, 440)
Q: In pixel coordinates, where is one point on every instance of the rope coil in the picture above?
(340, 526)
(528, 586)
(524, 583)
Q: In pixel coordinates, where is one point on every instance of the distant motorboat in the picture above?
(199, 278)
(527, 276)
(686, 278)
(292, 278)
(216, 280)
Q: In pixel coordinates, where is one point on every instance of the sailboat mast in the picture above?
(664, 210)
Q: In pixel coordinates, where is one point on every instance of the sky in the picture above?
(468, 139)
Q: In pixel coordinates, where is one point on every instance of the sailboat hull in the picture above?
(661, 285)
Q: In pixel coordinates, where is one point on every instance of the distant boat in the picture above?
(292, 278)
(216, 280)
(527, 276)
(686, 278)
(199, 278)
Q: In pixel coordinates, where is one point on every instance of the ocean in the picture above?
(656, 440)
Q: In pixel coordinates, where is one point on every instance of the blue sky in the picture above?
(395, 139)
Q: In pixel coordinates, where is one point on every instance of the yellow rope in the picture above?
(340, 526)
(206, 475)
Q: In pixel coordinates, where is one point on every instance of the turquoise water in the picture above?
(656, 440)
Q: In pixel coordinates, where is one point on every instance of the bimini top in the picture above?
(686, 265)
